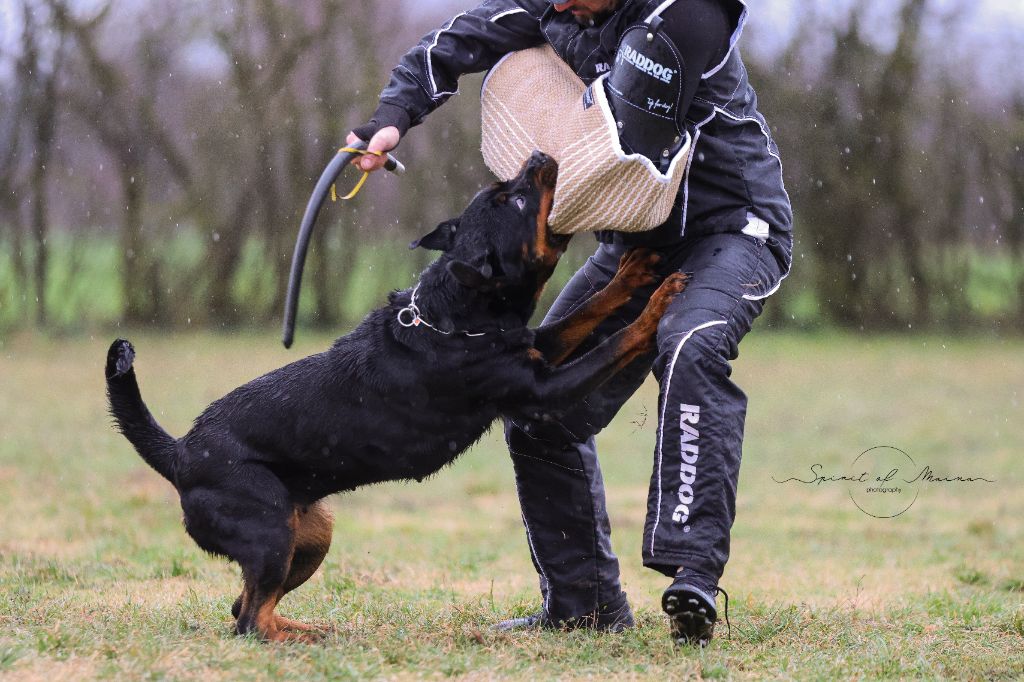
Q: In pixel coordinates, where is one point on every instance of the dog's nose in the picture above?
(539, 158)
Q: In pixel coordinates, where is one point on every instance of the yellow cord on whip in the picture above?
(362, 180)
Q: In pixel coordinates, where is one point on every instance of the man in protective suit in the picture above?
(672, 71)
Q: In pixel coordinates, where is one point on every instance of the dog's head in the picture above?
(502, 240)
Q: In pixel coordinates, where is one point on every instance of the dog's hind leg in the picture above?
(265, 573)
(314, 526)
(251, 520)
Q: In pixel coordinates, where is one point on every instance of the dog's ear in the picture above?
(441, 239)
(472, 277)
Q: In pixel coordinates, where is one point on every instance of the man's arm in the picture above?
(701, 29)
(428, 74)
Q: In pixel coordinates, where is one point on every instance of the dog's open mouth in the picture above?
(544, 178)
(545, 175)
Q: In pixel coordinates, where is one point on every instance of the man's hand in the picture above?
(384, 140)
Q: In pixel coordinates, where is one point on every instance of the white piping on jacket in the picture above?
(507, 12)
(430, 64)
(437, 36)
(760, 124)
(735, 38)
(658, 10)
(693, 150)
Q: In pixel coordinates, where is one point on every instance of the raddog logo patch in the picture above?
(645, 64)
(689, 452)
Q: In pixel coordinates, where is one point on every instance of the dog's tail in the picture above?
(133, 419)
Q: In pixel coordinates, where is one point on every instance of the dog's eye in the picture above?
(520, 202)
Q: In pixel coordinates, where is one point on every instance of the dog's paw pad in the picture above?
(676, 282)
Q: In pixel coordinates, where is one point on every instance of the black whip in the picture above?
(320, 193)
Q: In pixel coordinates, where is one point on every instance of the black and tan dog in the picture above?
(404, 394)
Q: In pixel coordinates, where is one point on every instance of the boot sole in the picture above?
(691, 622)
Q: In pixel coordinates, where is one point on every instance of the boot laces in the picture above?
(719, 590)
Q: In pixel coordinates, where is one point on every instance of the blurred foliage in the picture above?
(155, 160)
(84, 293)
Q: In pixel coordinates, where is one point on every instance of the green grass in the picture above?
(98, 579)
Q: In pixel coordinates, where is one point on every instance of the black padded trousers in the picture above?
(692, 498)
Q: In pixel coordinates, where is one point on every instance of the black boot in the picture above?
(612, 618)
(690, 604)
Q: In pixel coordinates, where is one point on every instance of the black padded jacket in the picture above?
(734, 170)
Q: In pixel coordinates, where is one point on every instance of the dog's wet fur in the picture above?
(387, 402)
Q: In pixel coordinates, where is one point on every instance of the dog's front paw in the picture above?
(636, 268)
(672, 286)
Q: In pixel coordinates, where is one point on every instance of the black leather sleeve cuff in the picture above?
(392, 115)
(386, 115)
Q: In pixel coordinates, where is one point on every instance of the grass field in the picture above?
(98, 579)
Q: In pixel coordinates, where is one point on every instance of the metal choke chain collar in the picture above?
(410, 316)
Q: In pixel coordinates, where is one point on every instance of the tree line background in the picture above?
(155, 159)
